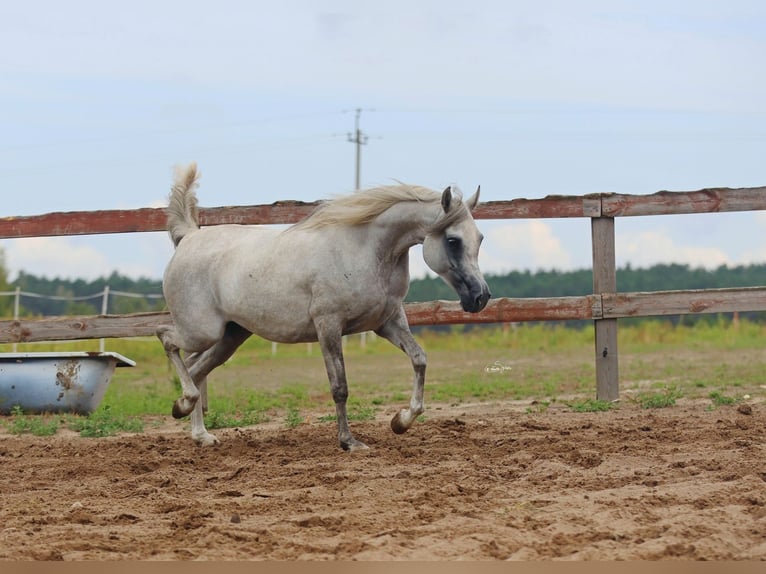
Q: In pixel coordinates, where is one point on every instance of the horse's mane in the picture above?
(364, 206)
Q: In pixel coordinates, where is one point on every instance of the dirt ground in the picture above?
(485, 481)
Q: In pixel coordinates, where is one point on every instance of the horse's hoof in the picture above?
(354, 446)
(182, 408)
(397, 425)
(206, 439)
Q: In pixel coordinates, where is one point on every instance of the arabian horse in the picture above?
(344, 269)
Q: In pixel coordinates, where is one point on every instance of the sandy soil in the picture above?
(471, 482)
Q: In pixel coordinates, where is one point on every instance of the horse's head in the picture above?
(451, 249)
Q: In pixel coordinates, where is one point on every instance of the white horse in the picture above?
(344, 269)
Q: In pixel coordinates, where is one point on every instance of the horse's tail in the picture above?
(183, 217)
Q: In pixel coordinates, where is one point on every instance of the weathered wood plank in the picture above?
(605, 281)
(81, 327)
(504, 310)
(659, 303)
(607, 364)
(82, 223)
(145, 219)
(285, 212)
(500, 310)
(281, 212)
(711, 200)
(552, 206)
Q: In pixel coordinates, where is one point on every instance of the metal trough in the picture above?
(72, 382)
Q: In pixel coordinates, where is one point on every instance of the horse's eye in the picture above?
(453, 242)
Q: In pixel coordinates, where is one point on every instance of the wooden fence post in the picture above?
(104, 311)
(605, 281)
(16, 308)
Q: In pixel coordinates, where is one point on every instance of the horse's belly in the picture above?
(281, 327)
(371, 319)
(294, 322)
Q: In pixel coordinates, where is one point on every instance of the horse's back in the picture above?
(242, 274)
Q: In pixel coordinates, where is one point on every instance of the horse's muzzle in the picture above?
(472, 289)
(476, 300)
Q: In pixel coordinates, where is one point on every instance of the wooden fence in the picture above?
(604, 306)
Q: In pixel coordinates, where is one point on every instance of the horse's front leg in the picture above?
(330, 341)
(397, 330)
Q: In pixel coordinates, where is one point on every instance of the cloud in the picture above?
(85, 257)
(654, 246)
(529, 245)
(54, 257)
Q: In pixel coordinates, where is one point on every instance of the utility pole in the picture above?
(359, 138)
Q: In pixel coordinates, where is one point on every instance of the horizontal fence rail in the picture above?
(283, 212)
(605, 306)
(501, 310)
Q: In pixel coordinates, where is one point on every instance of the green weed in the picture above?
(720, 400)
(293, 417)
(103, 422)
(356, 412)
(38, 425)
(219, 420)
(661, 400)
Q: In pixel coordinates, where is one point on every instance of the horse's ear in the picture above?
(473, 201)
(447, 198)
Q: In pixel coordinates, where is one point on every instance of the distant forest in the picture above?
(69, 293)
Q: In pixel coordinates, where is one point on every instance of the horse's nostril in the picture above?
(482, 298)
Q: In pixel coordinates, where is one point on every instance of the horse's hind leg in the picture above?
(201, 384)
(200, 365)
(397, 331)
(186, 403)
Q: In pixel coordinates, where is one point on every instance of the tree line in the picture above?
(553, 283)
(64, 296)
(517, 284)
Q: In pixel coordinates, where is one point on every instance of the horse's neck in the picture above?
(405, 224)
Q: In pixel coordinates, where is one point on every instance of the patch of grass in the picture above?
(538, 407)
(293, 417)
(362, 413)
(471, 386)
(103, 422)
(720, 400)
(665, 399)
(220, 420)
(356, 412)
(235, 398)
(146, 395)
(590, 405)
(293, 395)
(38, 425)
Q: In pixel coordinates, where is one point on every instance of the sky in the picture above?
(100, 100)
